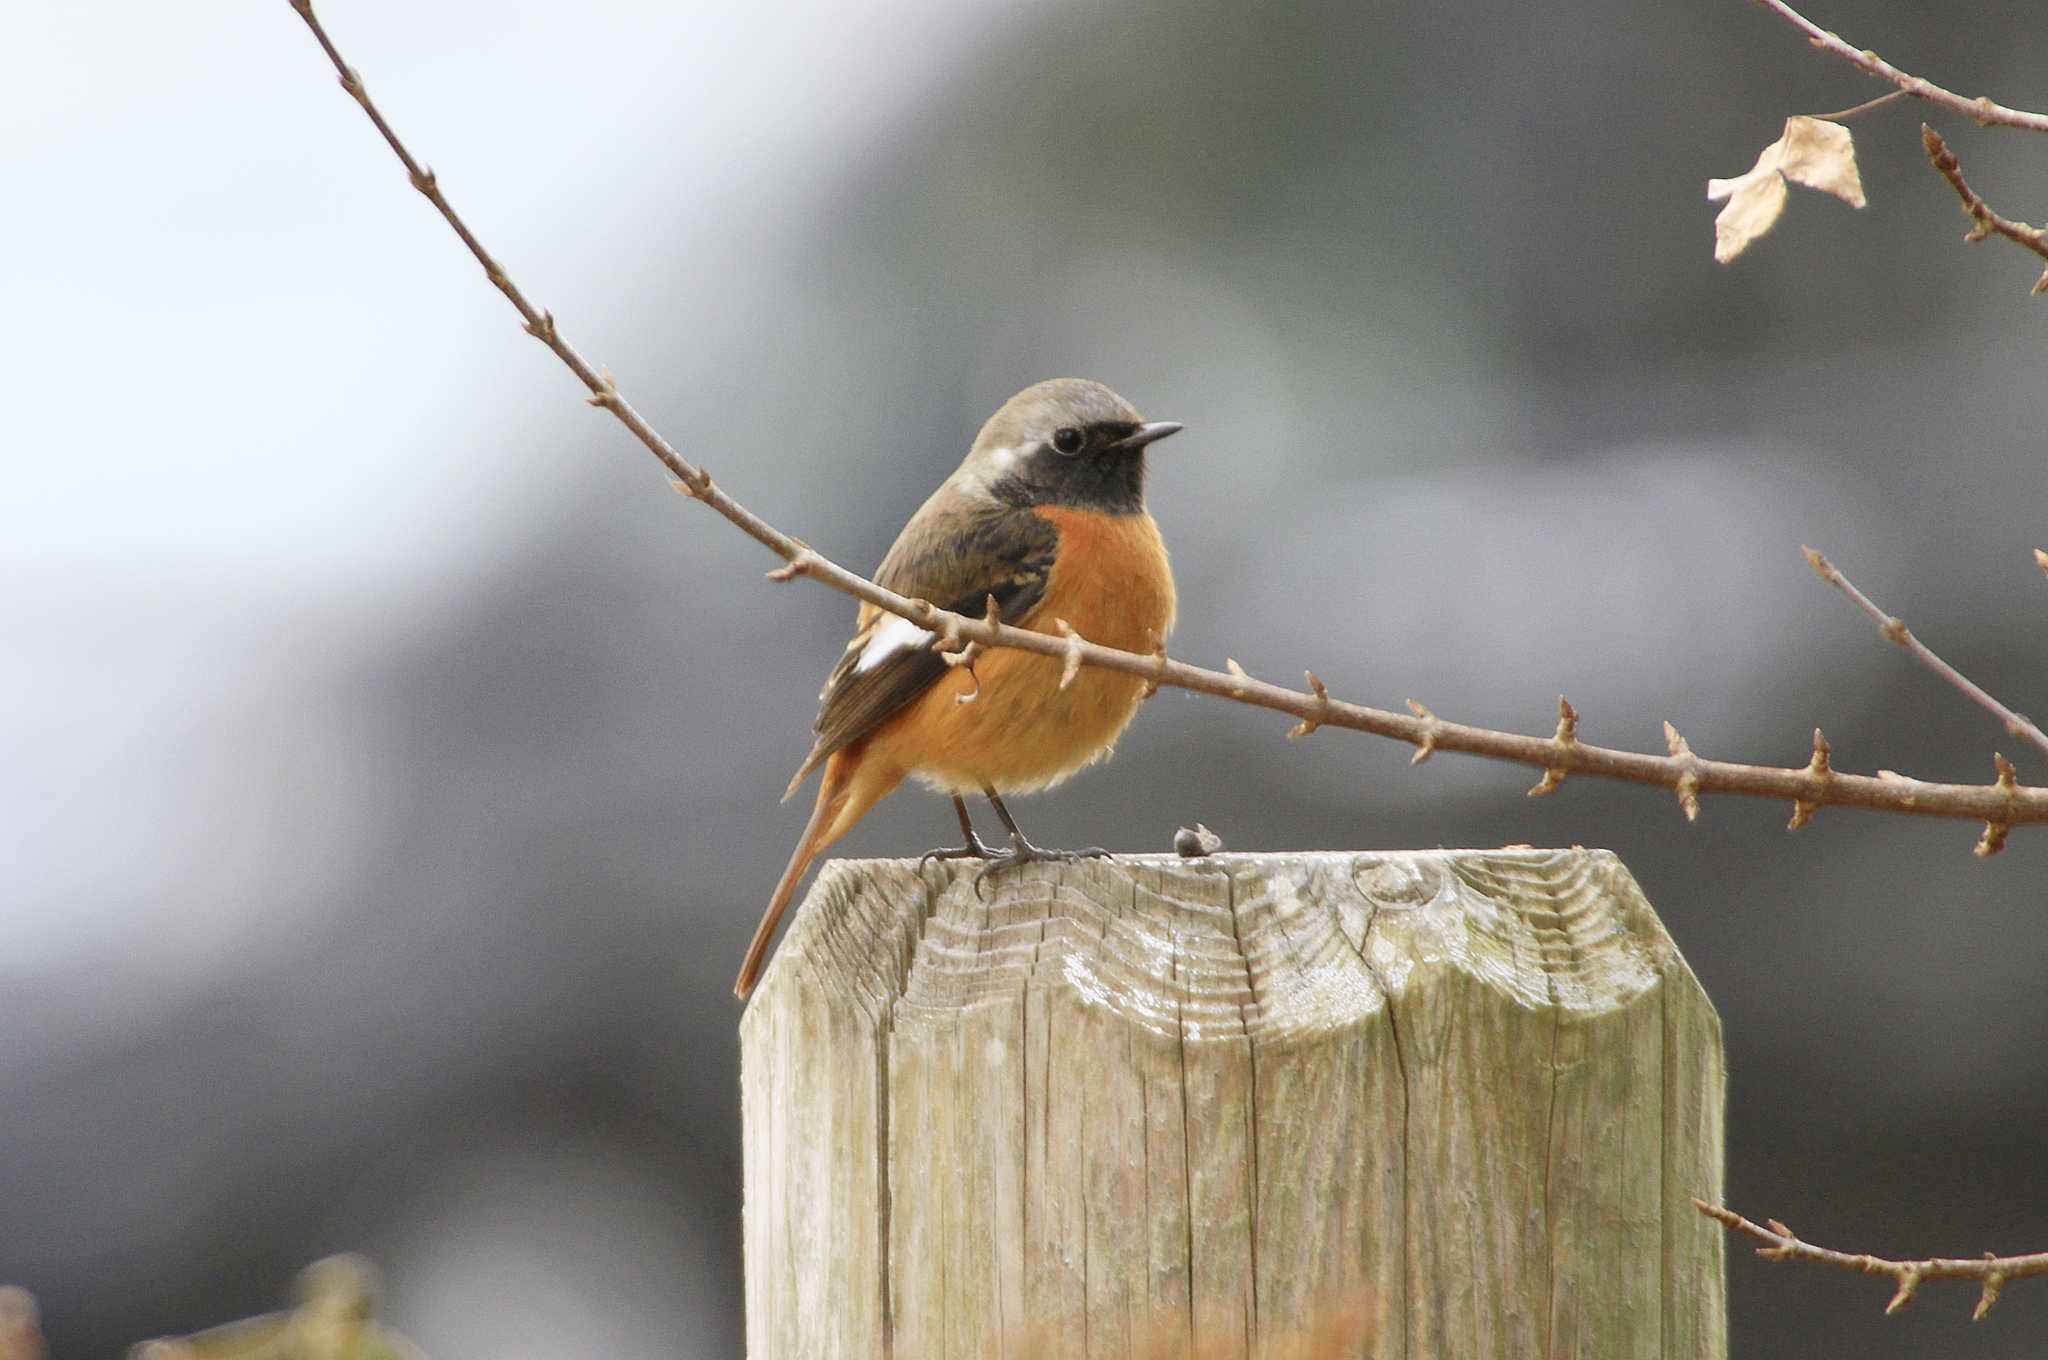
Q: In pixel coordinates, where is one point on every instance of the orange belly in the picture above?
(1110, 581)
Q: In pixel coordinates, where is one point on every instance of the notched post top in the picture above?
(1252, 943)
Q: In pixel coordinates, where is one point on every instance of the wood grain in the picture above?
(1154, 1105)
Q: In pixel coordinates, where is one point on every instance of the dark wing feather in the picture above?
(956, 556)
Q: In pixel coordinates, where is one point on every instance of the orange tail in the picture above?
(851, 786)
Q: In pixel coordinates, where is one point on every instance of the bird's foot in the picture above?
(1022, 851)
(974, 849)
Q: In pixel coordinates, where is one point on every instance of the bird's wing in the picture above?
(956, 557)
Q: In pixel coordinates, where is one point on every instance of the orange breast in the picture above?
(1111, 582)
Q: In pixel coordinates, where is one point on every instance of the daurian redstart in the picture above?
(1046, 515)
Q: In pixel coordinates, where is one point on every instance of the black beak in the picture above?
(1146, 434)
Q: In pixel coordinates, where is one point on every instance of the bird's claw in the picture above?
(1022, 851)
(974, 849)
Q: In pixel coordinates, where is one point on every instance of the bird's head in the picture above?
(1066, 442)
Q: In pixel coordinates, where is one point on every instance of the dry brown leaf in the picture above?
(1811, 151)
(1822, 155)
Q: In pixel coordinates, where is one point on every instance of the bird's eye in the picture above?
(1068, 440)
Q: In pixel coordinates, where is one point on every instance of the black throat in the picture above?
(1110, 482)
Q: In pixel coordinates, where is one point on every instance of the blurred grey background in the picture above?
(390, 760)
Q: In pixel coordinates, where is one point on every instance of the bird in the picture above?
(1045, 522)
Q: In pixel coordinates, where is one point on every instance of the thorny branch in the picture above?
(1991, 1272)
(1986, 112)
(1895, 630)
(1999, 806)
(1987, 222)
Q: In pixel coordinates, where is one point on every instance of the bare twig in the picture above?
(1895, 630)
(1844, 115)
(1987, 222)
(1692, 777)
(1991, 1272)
(1984, 111)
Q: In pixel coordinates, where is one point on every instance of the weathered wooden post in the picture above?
(1114, 1109)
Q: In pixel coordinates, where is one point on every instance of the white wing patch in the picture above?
(896, 634)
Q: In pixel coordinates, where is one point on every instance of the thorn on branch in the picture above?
(606, 393)
(1909, 1285)
(1426, 746)
(1071, 665)
(1159, 664)
(798, 565)
(952, 651)
(955, 650)
(1689, 782)
(1566, 739)
(1994, 1285)
(1995, 832)
(1322, 693)
(542, 330)
(1818, 773)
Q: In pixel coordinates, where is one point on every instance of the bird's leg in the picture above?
(1022, 851)
(973, 849)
